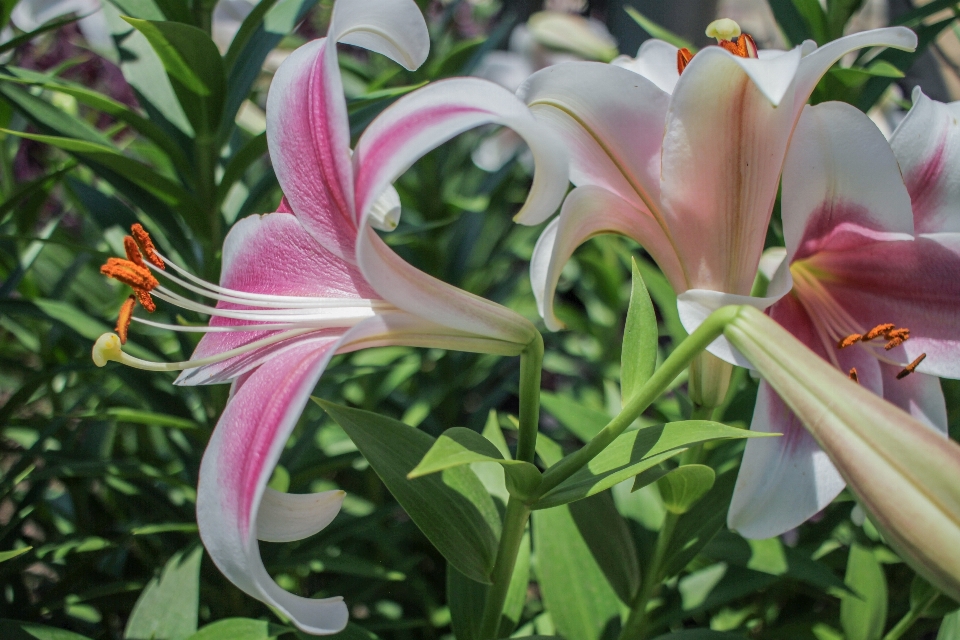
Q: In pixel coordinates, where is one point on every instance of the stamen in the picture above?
(907, 370)
(133, 253)
(145, 243)
(747, 46)
(877, 331)
(126, 314)
(683, 59)
(850, 340)
(129, 273)
(146, 300)
(107, 348)
(853, 375)
(896, 337)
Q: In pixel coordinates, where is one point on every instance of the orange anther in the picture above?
(129, 273)
(146, 300)
(907, 370)
(746, 46)
(123, 321)
(683, 59)
(877, 331)
(133, 253)
(896, 337)
(853, 375)
(143, 241)
(850, 340)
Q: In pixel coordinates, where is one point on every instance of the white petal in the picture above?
(656, 61)
(918, 394)
(385, 212)
(394, 28)
(285, 517)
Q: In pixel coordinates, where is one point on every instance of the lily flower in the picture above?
(314, 279)
(874, 258)
(681, 153)
(905, 474)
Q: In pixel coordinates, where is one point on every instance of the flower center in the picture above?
(286, 316)
(728, 35)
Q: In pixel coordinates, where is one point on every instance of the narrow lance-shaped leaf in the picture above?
(640, 336)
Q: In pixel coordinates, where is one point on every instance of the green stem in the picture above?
(912, 616)
(673, 366)
(514, 523)
(637, 620)
(531, 361)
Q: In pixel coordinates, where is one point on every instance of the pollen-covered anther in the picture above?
(123, 321)
(145, 300)
(877, 331)
(896, 337)
(145, 243)
(132, 251)
(850, 340)
(853, 375)
(907, 370)
(683, 59)
(130, 274)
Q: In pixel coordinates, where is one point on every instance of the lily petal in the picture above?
(274, 255)
(912, 283)
(721, 166)
(611, 121)
(656, 61)
(926, 144)
(590, 211)
(285, 517)
(426, 297)
(785, 481)
(236, 466)
(394, 28)
(421, 121)
(814, 65)
(840, 174)
(918, 394)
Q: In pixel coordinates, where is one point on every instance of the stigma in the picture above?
(729, 36)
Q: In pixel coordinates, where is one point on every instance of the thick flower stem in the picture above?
(531, 361)
(634, 627)
(912, 616)
(673, 366)
(514, 523)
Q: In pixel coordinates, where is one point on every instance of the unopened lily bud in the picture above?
(905, 475)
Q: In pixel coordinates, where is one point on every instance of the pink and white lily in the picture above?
(865, 247)
(687, 164)
(314, 279)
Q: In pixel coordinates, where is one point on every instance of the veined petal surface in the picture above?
(918, 394)
(656, 61)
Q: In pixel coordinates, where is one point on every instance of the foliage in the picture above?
(97, 524)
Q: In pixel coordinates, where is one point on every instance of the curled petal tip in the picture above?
(106, 348)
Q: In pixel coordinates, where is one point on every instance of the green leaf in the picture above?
(684, 486)
(790, 21)
(634, 452)
(15, 630)
(240, 629)
(812, 13)
(169, 605)
(638, 360)
(700, 634)
(194, 66)
(656, 31)
(857, 77)
(137, 416)
(664, 296)
(950, 627)
(352, 632)
(573, 587)
(250, 152)
(608, 537)
(927, 601)
(696, 527)
(459, 446)
(23, 38)
(580, 420)
(14, 553)
(451, 508)
(839, 13)
(864, 616)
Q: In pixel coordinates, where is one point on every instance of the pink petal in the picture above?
(274, 255)
(918, 394)
(587, 212)
(426, 297)
(428, 117)
(840, 177)
(722, 151)
(610, 120)
(814, 65)
(927, 145)
(911, 283)
(656, 61)
(785, 481)
(308, 135)
(236, 466)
